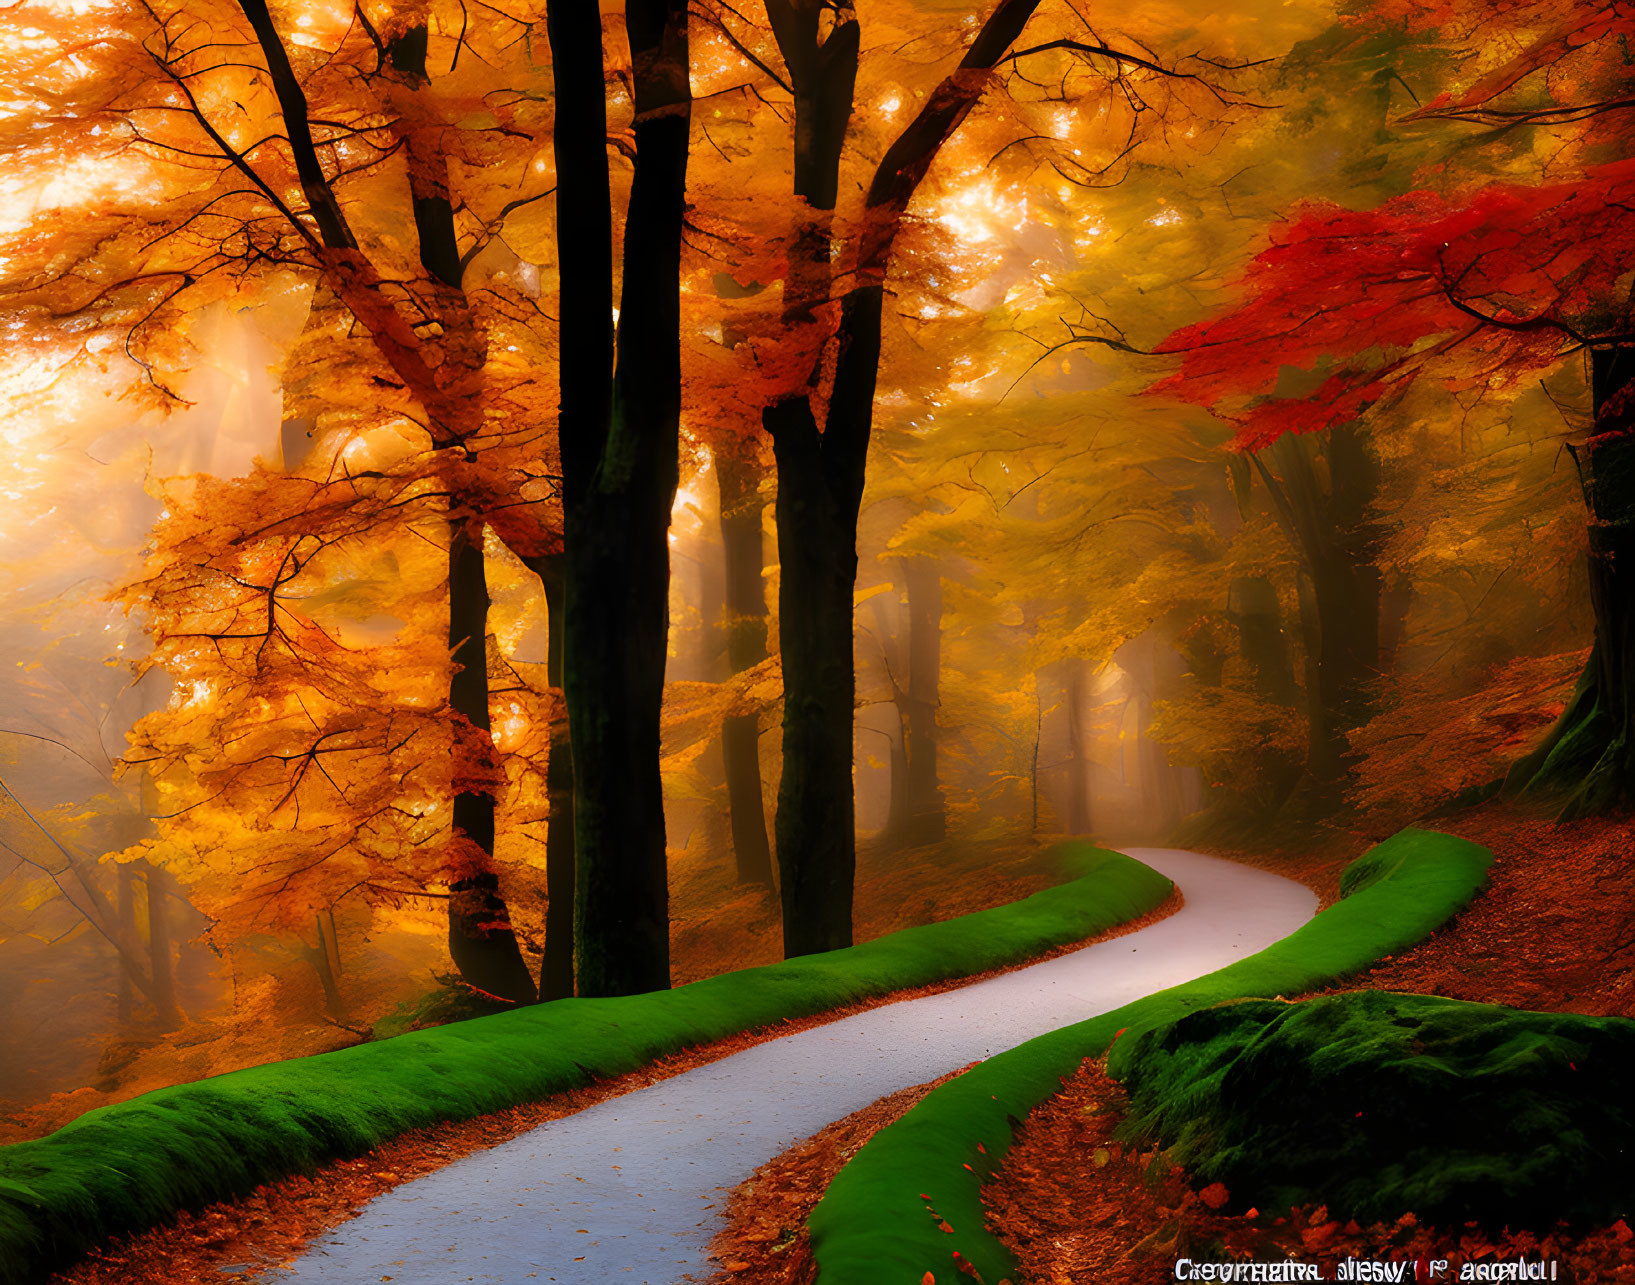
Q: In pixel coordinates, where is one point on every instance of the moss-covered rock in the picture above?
(1379, 1104)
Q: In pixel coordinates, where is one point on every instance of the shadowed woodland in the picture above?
(514, 501)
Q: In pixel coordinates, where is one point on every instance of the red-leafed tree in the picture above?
(1480, 292)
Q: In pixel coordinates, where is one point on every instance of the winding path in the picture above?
(632, 1189)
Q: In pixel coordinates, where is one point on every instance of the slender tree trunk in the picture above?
(1033, 768)
(126, 909)
(1589, 756)
(1078, 752)
(556, 970)
(738, 476)
(325, 958)
(480, 938)
(927, 818)
(1253, 607)
(619, 483)
(1339, 589)
(163, 993)
(821, 472)
(898, 817)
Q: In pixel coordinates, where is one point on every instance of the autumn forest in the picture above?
(516, 504)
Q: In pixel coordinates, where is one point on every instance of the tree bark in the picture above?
(1588, 759)
(325, 957)
(556, 970)
(1254, 609)
(1078, 752)
(819, 489)
(163, 992)
(821, 472)
(126, 910)
(620, 475)
(1262, 643)
(738, 477)
(481, 940)
(1339, 589)
(927, 819)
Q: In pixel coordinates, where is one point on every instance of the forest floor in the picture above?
(717, 925)
(1552, 932)
(236, 1240)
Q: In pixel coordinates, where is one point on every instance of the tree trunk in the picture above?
(1253, 607)
(556, 970)
(738, 477)
(619, 482)
(1589, 756)
(163, 992)
(1339, 589)
(821, 472)
(820, 487)
(817, 553)
(927, 820)
(1033, 769)
(480, 938)
(325, 957)
(126, 909)
(898, 830)
(1078, 752)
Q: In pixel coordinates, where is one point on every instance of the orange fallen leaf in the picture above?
(1215, 1195)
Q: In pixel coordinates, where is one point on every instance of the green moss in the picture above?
(1377, 1104)
(126, 1167)
(871, 1224)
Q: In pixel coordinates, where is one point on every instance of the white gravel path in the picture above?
(632, 1190)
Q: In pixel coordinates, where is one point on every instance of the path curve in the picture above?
(632, 1189)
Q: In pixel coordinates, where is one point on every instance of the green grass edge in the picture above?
(873, 1228)
(129, 1166)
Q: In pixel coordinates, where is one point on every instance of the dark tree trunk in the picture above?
(480, 938)
(326, 959)
(556, 970)
(163, 992)
(613, 671)
(1254, 609)
(819, 490)
(927, 820)
(1033, 769)
(1078, 752)
(619, 473)
(820, 472)
(820, 487)
(126, 910)
(897, 831)
(738, 477)
(1339, 589)
(1589, 756)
